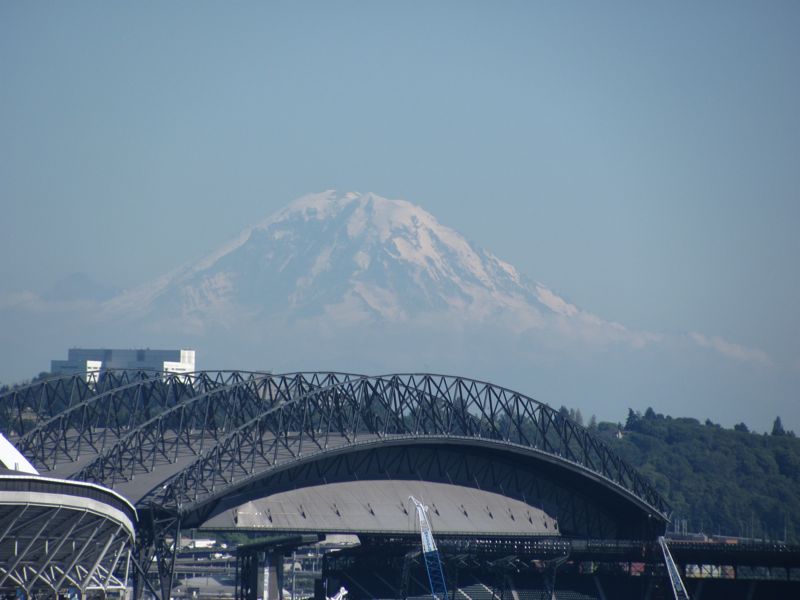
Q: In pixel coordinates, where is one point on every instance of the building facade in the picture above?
(93, 361)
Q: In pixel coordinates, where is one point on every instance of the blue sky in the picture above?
(641, 159)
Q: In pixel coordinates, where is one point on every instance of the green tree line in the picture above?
(718, 481)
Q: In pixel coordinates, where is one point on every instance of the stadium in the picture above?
(522, 502)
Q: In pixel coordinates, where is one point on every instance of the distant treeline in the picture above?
(718, 481)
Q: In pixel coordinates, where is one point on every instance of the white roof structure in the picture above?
(12, 459)
(381, 506)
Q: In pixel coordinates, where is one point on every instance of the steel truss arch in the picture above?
(139, 420)
(191, 440)
(25, 407)
(198, 423)
(123, 401)
(372, 409)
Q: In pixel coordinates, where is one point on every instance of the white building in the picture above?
(92, 361)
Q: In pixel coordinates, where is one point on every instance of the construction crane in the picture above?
(340, 594)
(678, 589)
(433, 563)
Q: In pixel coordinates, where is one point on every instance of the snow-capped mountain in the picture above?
(349, 258)
(359, 283)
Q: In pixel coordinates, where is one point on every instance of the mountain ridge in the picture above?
(351, 257)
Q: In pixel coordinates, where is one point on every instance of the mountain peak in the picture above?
(347, 256)
(362, 208)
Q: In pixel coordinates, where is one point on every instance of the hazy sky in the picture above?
(643, 160)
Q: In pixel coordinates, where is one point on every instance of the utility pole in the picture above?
(294, 570)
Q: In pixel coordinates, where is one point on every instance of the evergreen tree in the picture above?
(777, 427)
(633, 418)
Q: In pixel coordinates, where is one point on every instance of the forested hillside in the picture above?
(720, 481)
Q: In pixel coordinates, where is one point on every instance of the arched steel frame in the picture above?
(370, 409)
(246, 427)
(87, 425)
(141, 415)
(24, 407)
(198, 423)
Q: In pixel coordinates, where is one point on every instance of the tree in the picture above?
(633, 418)
(593, 423)
(777, 427)
(741, 427)
(725, 480)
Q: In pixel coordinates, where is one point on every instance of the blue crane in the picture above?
(429, 551)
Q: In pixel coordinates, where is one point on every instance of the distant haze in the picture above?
(357, 282)
(606, 194)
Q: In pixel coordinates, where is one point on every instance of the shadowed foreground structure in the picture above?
(57, 534)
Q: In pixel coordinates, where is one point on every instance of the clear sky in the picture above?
(642, 159)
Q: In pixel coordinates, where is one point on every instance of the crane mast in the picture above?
(678, 589)
(430, 553)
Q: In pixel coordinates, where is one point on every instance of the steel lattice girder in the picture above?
(230, 427)
(369, 409)
(122, 403)
(26, 407)
(197, 424)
